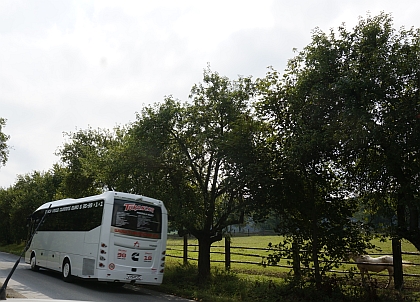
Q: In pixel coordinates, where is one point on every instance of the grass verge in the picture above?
(15, 249)
(247, 283)
(226, 286)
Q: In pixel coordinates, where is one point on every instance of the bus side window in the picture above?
(73, 220)
(35, 219)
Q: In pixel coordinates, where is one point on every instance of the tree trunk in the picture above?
(414, 229)
(410, 230)
(204, 245)
(205, 240)
(414, 238)
(318, 280)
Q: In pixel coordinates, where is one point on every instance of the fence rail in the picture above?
(228, 251)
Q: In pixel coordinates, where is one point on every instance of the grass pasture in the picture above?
(242, 246)
(254, 283)
(250, 245)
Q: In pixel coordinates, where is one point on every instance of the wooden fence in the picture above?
(229, 251)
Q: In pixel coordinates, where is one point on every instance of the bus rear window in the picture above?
(137, 219)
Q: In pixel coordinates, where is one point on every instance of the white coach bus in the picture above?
(113, 237)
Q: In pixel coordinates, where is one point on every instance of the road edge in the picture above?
(11, 293)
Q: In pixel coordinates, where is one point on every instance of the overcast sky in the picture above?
(68, 65)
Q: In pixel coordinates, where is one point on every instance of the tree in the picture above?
(188, 156)
(346, 113)
(5, 205)
(377, 84)
(309, 195)
(383, 98)
(28, 193)
(89, 161)
(4, 149)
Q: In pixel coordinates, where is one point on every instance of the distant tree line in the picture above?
(337, 132)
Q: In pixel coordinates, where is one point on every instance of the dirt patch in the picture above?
(10, 293)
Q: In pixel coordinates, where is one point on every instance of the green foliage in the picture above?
(6, 198)
(28, 193)
(344, 119)
(293, 250)
(190, 155)
(20, 201)
(358, 95)
(4, 149)
(90, 158)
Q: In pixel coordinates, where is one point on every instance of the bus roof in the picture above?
(105, 195)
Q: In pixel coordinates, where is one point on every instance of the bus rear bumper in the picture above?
(132, 277)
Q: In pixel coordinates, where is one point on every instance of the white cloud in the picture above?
(70, 64)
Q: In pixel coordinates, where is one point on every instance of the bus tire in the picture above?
(34, 267)
(66, 272)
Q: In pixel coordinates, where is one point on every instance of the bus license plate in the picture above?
(134, 277)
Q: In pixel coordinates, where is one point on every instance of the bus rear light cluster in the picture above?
(163, 262)
(102, 252)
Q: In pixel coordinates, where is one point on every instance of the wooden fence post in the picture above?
(398, 271)
(296, 259)
(227, 253)
(185, 249)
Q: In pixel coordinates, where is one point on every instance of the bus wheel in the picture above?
(34, 267)
(67, 277)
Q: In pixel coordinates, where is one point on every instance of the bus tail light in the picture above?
(102, 252)
(161, 271)
(163, 260)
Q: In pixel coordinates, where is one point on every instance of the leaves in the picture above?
(4, 148)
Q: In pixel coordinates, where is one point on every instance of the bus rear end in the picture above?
(134, 251)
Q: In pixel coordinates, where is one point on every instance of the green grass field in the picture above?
(175, 246)
(255, 283)
(255, 271)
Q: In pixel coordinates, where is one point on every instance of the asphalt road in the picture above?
(47, 284)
